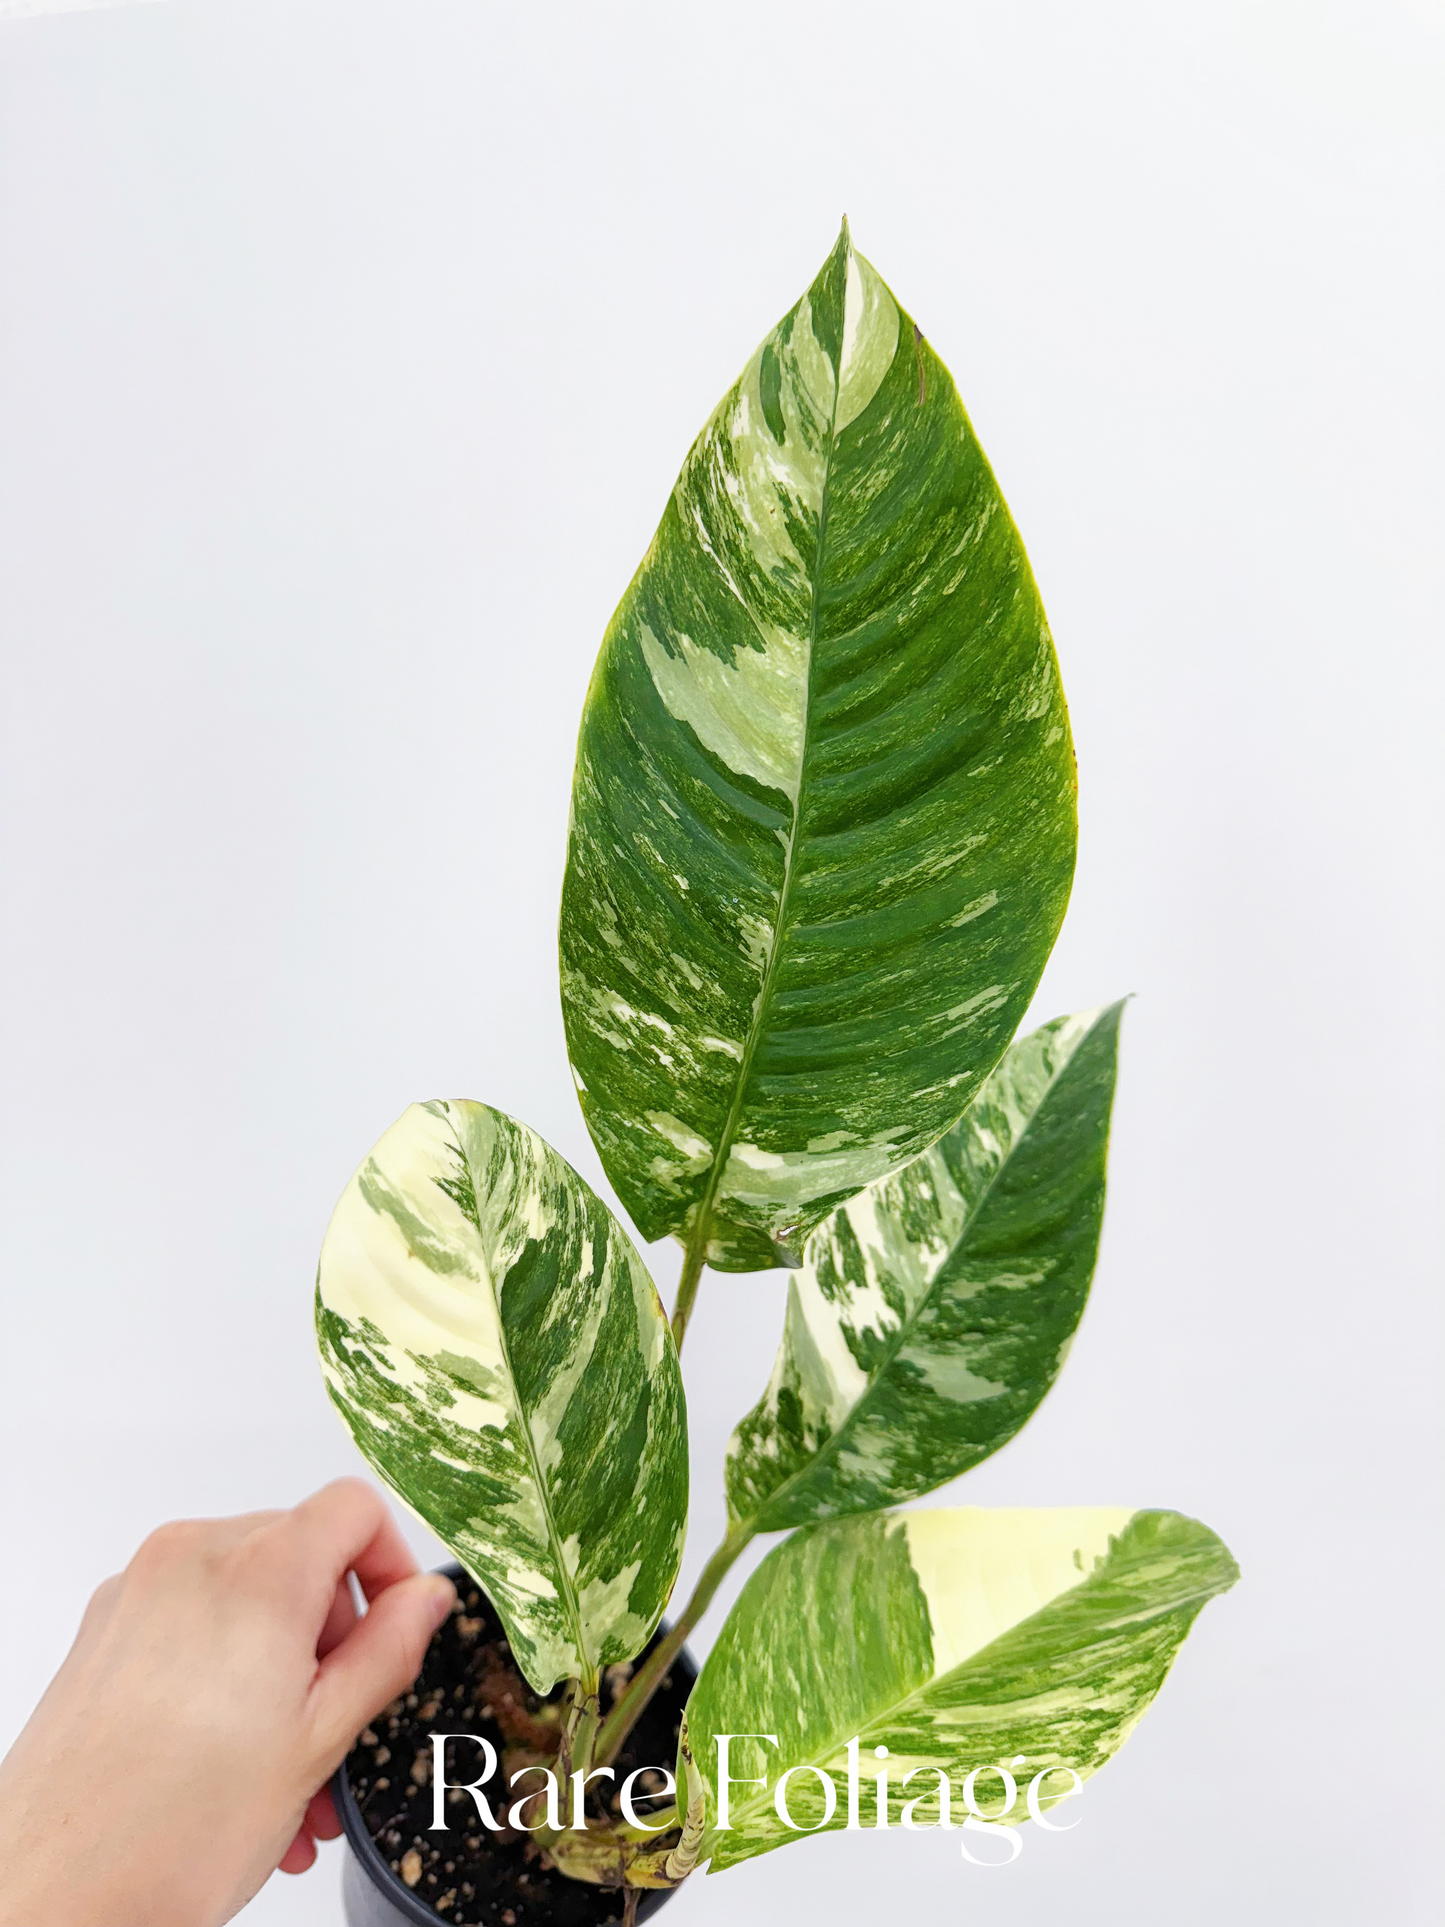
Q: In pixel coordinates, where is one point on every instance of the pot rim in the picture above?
(373, 1862)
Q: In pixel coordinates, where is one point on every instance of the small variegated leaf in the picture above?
(934, 1310)
(500, 1354)
(823, 824)
(954, 1638)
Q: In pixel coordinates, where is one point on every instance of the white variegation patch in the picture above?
(748, 711)
(870, 340)
(983, 1571)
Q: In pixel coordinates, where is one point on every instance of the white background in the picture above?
(347, 354)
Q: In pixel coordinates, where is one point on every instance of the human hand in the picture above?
(182, 1751)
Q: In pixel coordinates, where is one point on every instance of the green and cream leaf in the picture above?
(934, 1310)
(823, 825)
(499, 1352)
(955, 1639)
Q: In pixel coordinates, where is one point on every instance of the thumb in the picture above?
(379, 1658)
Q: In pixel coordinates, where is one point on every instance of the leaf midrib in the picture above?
(554, 1540)
(780, 922)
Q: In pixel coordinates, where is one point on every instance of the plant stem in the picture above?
(693, 1261)
(645, 1681)
(584, 1743)
(574, 1754)
(572, 1700)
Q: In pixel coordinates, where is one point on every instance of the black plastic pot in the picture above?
(374, 1896)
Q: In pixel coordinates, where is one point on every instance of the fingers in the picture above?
(321, 1821)
(318, 1823)
(339, 1621)
(300, 1855)
(377, 1660)
(347, 1526)
(100, 1608)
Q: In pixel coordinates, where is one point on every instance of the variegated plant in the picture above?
(821, 841)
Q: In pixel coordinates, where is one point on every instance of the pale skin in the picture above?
(181, 1753)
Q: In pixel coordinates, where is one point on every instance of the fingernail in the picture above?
(444, 1597)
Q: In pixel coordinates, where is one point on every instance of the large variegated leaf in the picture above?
(500, 1354)
(955, 1639)
(823, 816)
(934, 1309)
